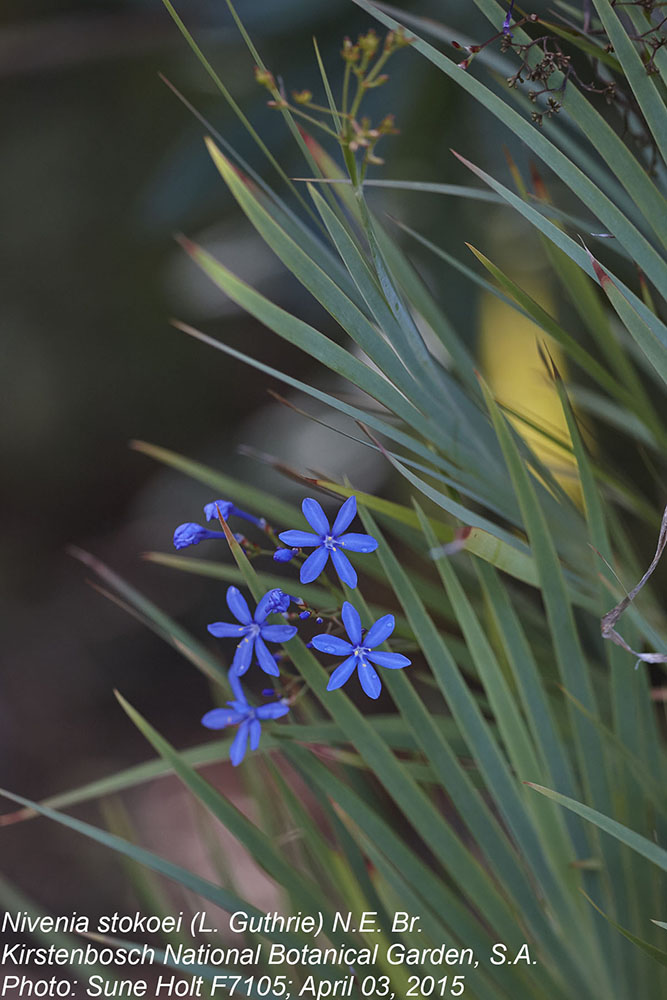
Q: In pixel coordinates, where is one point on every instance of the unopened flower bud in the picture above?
(264, 78)
(369, 43)
(284, 555)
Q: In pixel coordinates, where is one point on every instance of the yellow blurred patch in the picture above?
(512, 366)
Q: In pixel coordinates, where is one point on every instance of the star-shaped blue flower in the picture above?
(253, 631)
(248, 718)
(329, 541)
(360, 651)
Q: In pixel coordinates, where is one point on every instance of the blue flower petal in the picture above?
(317, 519)
(265, 659)
(345, 516)
(242, 656)
(225, 630)
(394, 661)
(274, 710)
(218, 718)
(238, 605)
(211, 509)
(358, 543)
(342, 673)
(299, 539)
(331, 644)
(343, 567)
(314, 565)
(378, 633)
(352, 623)
(369, 679)
(278, 633)
(237, 690)
(239, 744)
(259, 521)
(255, 733)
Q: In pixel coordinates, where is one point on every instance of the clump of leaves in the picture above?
(516, 715)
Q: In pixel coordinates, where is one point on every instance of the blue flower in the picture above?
(360, 651)
(506, 23)
(192, 534)
(246, 717)
(227, 509)
(253, 631)
(329, 541)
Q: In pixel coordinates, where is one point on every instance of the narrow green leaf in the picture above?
(420, 810)
(444, 904)
(569, 654)
(657, 855)
(389, 430)
(264, 504)
(653, 345)
(595, 200)
(165, 626)
(307, 339)
(287, 114)
(650, 949)
(231, 102)
(577, 253)
(475, 731)
(616, 156)
(202, 887)
(649, 100)
(314, 278)
(254, 840)
(541, 317)
(13, 900)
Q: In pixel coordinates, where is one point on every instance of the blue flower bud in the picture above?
(226, 507)
(276, 601)
(284, 555)
(304, 614)
(192, 534)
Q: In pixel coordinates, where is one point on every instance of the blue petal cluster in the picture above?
(329, 541)
(253, 630)
(248, 718)
(360, 651)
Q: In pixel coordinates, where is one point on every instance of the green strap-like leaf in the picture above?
(656, 854)
(649, 100)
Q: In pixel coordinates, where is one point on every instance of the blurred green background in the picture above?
(102, 165)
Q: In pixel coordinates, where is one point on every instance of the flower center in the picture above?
(359, 651)
(329, 541)
(253, 629)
